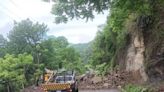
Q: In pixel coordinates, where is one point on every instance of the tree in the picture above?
(69, 9)
(72, 60)
(26, 37)
(13, 71)
(84, 9)
(51, 49)
(84, 50)
(56, 53)
(3, 45)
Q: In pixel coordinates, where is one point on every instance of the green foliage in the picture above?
(49, 51)
(134, 88)
(2, 88)
(28, 37)
(68, 9)
(101, 69)
(131, 6)
(104, 47)
(25, 36)
(72, 59)
(13, 70)
(112, 37)
(109, 41)
(3, 45)
(30, 52)
(84, 50)
(56, 53)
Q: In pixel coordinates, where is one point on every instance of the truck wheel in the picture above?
(77, 90)
(73, 90)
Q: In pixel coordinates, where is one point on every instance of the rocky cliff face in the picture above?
(132, 57)
(144, 53)
(135, 56)
(154, 43)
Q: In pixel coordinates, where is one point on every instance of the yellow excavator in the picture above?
(59, 81)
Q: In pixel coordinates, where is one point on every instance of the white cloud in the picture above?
(77, 35)
(76, 31)
(30, 8)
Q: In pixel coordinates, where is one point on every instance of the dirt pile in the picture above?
(112, 80)
(161, 89)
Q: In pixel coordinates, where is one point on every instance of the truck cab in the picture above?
(65, 79)
(68, 79)
(61, 82)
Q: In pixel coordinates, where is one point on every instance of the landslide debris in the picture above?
(115, 79)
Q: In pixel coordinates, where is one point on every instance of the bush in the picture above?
(135, 88)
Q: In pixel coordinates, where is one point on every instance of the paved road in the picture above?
(110, 90)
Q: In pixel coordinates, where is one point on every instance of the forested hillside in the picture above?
(28, 50)
(85, 50)
(132, 40)
(81, 47)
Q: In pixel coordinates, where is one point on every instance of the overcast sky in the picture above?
(76, 31)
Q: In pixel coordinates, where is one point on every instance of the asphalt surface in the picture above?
(110, 90)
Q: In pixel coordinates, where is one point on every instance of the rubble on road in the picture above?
(113, 79)
(96, 80)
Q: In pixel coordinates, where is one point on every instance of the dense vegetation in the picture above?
(113, 37)
(28, 51)
(84, 50)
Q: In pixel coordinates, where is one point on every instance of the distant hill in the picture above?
(84, 49)
(81, 47)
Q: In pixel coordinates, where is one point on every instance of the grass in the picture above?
(135, 88)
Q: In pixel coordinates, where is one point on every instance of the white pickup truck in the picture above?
(68, 79)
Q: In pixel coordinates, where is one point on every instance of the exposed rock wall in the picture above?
(135, 55)
(154, 43)
(144, 53)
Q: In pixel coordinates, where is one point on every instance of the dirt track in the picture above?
(110, 90)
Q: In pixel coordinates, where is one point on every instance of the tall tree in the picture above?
(58, 54)
(26, 37)
(3, 45)
(51, 50)
(13, 71)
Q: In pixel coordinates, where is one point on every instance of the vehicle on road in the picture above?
(60, 82)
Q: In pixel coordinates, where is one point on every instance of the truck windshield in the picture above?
(67, 78)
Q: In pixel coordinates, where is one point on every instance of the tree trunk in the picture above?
(22, 86)
(8, 88)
